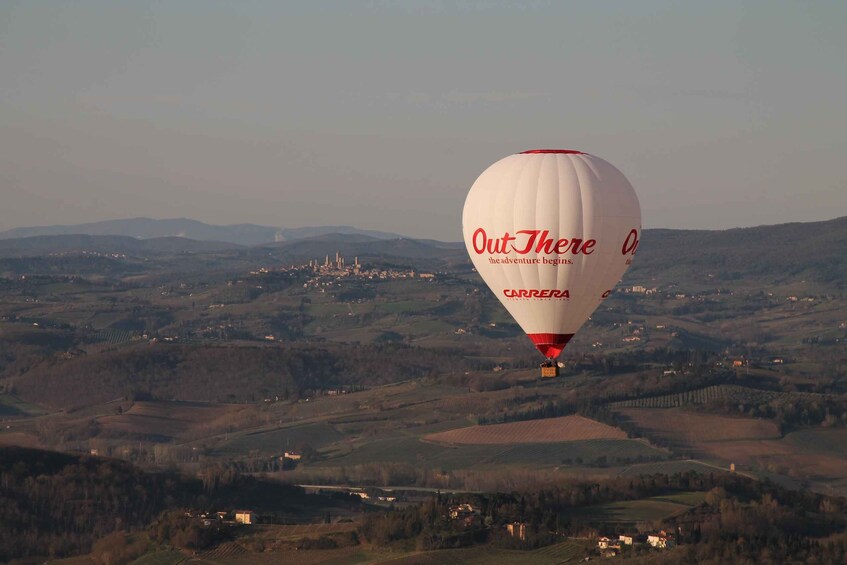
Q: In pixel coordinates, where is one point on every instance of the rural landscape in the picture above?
(463, 282)
(360, 397)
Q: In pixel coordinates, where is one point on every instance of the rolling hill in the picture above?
(777, 253)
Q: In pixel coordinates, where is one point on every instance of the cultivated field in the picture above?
(166, 419)
(566, 552)
(817, 455)
(565, 428)
(587, 452)
(276, 441)
(22, 439)
(644, 510)
(12, 407)
(670, 468)
(677, 426)
(462, 456)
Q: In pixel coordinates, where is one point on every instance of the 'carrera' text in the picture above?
(535, 293)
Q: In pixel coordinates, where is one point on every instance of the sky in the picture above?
(382, 114)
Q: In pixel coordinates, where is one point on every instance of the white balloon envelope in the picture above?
(551, 232)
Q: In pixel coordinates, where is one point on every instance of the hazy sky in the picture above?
(382, 114)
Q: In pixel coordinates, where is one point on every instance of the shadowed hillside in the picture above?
(770, 253)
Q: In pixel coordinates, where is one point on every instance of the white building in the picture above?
(245, 517)
(660, 540)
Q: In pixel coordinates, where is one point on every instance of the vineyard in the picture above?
(567, 552)
(225, 550)
(732, 394)
(114, 336)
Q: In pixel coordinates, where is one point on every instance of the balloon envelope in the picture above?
(551, 232)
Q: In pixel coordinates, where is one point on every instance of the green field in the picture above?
(693, 498)
(590, 452)
(278, 440)
(825, 441)
(644, 510)
(11, 406)
(414, 451)
(566, 552)
(403, 307)
(669, 468)
(163, 557)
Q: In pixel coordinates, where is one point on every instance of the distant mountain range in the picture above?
(78, 243)
(147, 228)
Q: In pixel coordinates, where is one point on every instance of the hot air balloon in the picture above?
(551, 232)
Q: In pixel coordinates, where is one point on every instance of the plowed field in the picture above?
(166, 419)
(565, 428)
(681, 426)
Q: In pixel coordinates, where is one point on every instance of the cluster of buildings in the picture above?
(339, 267)
(610, 547)
(245, 517)
(466, 514)
(328, 274)
(378, 498)
(639, 289)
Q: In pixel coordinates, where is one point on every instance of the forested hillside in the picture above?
(57, 505)
(221, 374)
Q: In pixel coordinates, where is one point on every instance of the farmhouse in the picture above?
(462, 511)
(245, 517)
(517, 530)
(608, 547)
(662, 540)
(632, 539)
